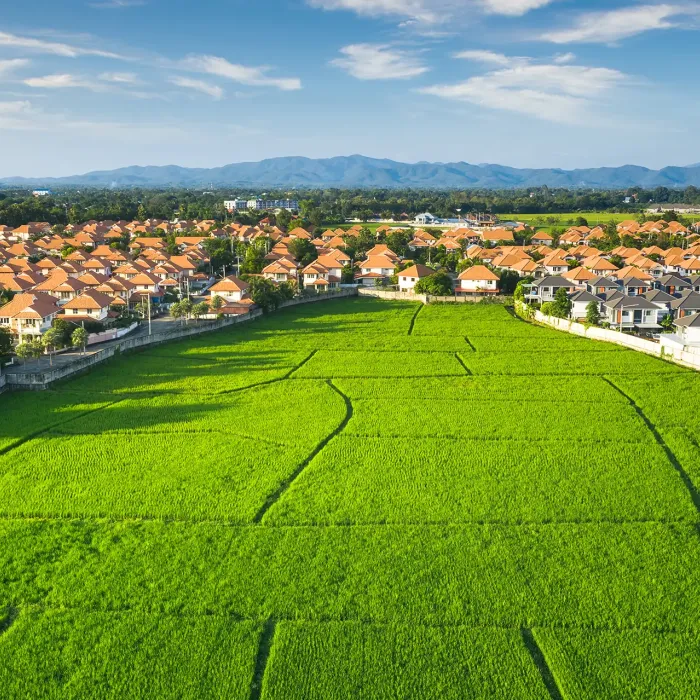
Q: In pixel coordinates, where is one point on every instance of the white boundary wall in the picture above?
(688, 357)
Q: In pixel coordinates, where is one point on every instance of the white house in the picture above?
(411, 275)
(29, 314)
(91, 305)
(230, 289)
(376, 268)
(688, 329)
(477, 280)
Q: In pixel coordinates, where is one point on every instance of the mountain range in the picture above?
(360, 171)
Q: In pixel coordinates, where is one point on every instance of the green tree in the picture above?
(217, 303)
(561, 306)
(437, 285)
(24, 350)
(593, 313)
(5, 341)
(186, 307)
(199, 310)
(283, 219)
(667, 323)
(52, 340)
(509, 281)
(176, 309)
(264, 293)
(304, 251)
(79, 339)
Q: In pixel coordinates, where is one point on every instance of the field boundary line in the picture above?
(461, 362)
(267, 639)
(300, 365)
(174, 433)
(37, 433)
(413, 319)
(540, 661)
(470, 344)
(652, 628)
(675, 463)
(10, 619)
(284, 486)
(444, 524)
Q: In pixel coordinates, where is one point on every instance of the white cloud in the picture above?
(490, 58)
(116, 4)
(246, 75)
(12, 64)
(379, 62)
(15, 107)
(514, 7)
(51, 47)
(200, 85)
(62, 81)
(563, 58)
(608, 27)
(429, 11)
(558, 93)
(120, 78)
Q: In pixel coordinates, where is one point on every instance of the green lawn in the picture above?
(352, 500)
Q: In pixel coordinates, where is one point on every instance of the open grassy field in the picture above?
(547, 222)
(355, 499)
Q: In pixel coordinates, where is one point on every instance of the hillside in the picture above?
(360, 171)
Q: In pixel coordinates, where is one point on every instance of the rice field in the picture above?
(355, 499)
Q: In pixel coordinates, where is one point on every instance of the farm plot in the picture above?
(498, 420)
(611, 575)
(68, 654)
(331, 364)
(628, 664)
(355, 499)
(370, 480)
(348, 660)
(511, 361)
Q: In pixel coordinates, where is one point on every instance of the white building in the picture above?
(41, 193)
(236, 204)
(409, 277)
(478, 280)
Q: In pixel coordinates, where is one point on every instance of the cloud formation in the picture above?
(10, 65)
(609, 27)
(552, 92)
(429, 11)
(199, 85)
(120, 78)
(62, 81)
(379, 62)
(246, 75)
(51, 47)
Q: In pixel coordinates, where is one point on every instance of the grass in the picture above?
(335, 501)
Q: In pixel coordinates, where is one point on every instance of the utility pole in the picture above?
(150, 331)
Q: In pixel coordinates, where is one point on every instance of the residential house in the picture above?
(29, 315)
(478, 279)
(230, 289)
(631, 312)
(89, 306)
(546, 289)
(686, 305)
(411, 275)
(377, 268)
(580, 301)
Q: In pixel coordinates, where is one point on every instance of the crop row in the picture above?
(499, 419)
(193, 477)
(370, 480)
(62, 655)
(547, 389)
(603, 575)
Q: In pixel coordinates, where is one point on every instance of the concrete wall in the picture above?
(3, 383)
(688, 357)
(426, 299)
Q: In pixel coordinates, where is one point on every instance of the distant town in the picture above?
(106, 276)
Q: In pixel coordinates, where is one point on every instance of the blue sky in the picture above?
(100, 84)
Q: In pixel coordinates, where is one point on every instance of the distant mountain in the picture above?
(359, 171)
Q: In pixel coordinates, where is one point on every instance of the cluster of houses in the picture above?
(95, 270)
(81, 275)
